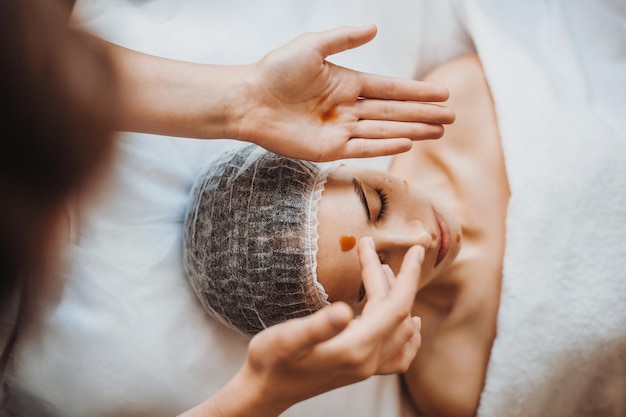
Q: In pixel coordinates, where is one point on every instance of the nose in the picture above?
(402, 238)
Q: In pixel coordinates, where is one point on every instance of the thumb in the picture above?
(343, 38)
(300, 335)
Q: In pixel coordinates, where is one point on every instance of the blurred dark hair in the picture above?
(58, 112)
(59, 107)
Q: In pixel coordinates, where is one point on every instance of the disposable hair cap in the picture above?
(250, 240)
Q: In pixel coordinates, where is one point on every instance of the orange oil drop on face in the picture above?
(458, 238)
(347, 242)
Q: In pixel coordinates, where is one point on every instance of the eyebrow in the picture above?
(361, 194)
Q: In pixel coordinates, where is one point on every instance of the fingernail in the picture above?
(418, 322)
(370, 241)
(420, 253)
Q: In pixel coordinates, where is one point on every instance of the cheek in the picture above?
(339, 229)
(339, 273)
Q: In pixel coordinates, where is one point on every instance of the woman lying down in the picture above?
(269, 238)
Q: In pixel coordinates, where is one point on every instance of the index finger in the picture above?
(374, 278)
(376, 324)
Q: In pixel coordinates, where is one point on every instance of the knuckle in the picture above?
(400, 315)
(361, 363)
(356, 358)
(390, 87)
(388, 110)
(386, 131)
(403, 365)
(277, 343)
(365, 370)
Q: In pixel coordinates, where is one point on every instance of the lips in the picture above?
(444, 241)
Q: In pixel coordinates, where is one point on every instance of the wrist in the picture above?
(249, 116)
(244, 395)
(223, 95)
(242, 104)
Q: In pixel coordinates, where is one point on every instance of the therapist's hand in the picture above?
(301, 358)
(300, 105)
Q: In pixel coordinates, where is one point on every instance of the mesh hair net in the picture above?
(250, 240)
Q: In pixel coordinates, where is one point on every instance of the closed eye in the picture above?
(358, 188)
(383, 204)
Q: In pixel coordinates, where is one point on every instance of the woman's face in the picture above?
(361, 202)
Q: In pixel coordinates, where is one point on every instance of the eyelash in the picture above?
(383, 204)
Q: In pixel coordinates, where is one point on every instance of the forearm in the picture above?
(176, 98)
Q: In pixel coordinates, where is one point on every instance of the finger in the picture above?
(418, 323)
(298, 336)
(343, 38)
(411, 347)
(365, 148)
(391, 88)
(399, 358)
(391, 277)
(407, 281)
(390, 313)
(374, 129)
(374, 277)
(414, 343)
(403, 111)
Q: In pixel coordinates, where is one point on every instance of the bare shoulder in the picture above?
(456, 73)
(475, 127)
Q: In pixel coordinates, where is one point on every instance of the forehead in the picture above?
(346, 173)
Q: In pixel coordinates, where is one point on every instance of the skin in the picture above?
(459, 298)
(351, 205)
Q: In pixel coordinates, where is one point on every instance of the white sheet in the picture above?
(128, 337)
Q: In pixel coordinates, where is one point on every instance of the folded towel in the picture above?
(557, 71)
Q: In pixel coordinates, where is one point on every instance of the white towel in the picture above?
(557, 71)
